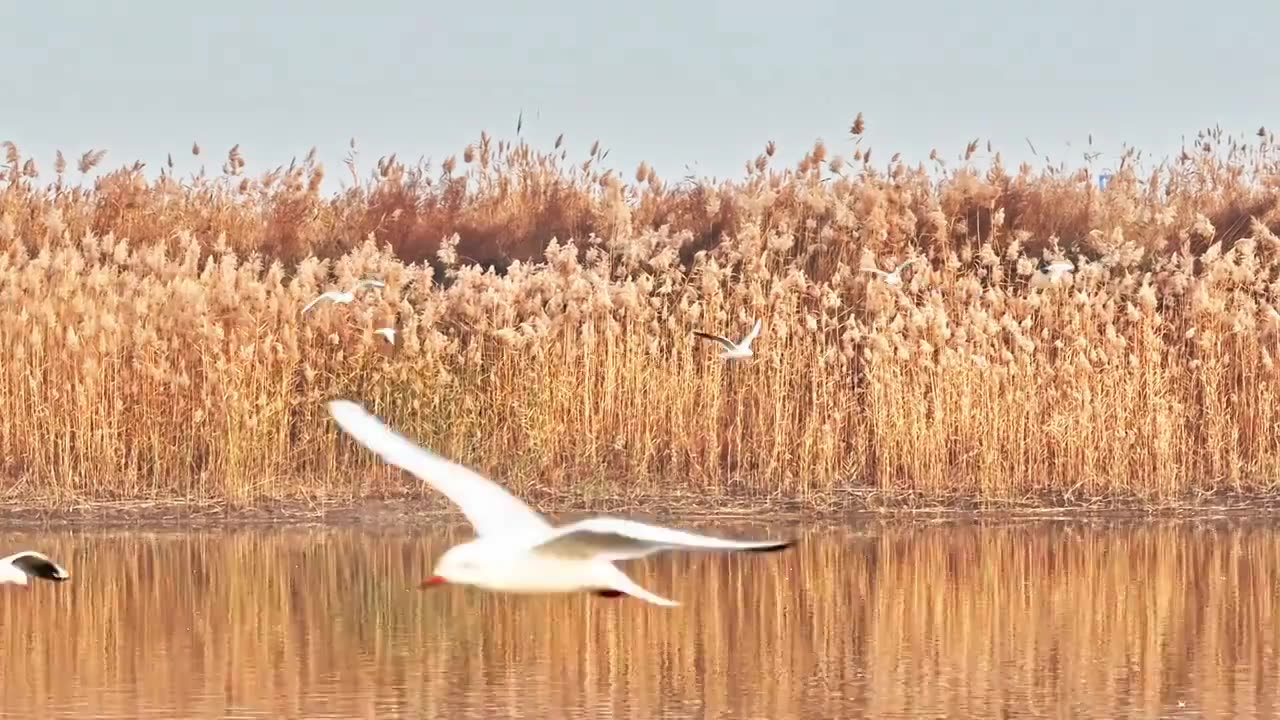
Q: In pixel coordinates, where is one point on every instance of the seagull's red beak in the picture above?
(433, 580)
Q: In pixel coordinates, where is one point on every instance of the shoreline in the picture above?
(421, 511)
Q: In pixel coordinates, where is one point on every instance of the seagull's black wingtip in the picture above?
(772, 547)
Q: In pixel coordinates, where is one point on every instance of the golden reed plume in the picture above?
(1053, 341)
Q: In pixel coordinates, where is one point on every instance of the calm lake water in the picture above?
(951, 619)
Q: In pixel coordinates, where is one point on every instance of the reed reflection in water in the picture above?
(1117, 619)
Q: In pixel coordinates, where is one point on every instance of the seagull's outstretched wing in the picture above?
(370, 283)
(726, 342)
(755, 330)
(331, 295)
(606, 538)
(490, 509)
(36, 565)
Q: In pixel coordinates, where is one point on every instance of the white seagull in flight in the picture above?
(732, 350)
(340, 296)
(515, 549)
(1059, 267)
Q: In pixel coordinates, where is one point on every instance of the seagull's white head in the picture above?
(459, 565)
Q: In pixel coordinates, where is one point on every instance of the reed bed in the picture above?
(155, 347)
(894, 621)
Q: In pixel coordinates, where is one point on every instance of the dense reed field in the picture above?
(156, 349)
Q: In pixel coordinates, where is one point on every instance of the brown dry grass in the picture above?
(897, 621)
(154, 347)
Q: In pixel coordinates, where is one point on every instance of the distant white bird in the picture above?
(894, 278)
(387, 332)
(732, 350)
(16, 568)
(340, 296)
(1059, 267)
(515, 549)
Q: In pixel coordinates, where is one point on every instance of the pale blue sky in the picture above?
(674, 83)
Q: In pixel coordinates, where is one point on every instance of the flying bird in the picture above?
(516, 550)
(894, 278)
(1059, 267)
(387, 332)
(339, 296)
(732, 350)
(16, 568)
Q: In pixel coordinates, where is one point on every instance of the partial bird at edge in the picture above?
(17, 568)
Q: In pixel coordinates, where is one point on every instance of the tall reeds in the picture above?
(155, 348)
